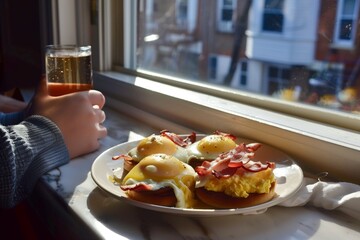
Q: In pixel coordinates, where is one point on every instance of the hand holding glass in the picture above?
(68, 69)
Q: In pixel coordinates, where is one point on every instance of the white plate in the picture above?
(288, 174)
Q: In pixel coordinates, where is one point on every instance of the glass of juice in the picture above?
(68, 69)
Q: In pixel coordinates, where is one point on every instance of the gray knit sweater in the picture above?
(28, 149)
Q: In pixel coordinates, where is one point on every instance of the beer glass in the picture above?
(68, 69)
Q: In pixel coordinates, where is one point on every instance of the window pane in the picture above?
(228, 3)
(273, 72)
(226, 14)
(243, 80)
(273, 16)
(273, 22)
(302, 62)
(274, 4)
(212, 67)
(243, 66)
(345, 29)
(348, 7)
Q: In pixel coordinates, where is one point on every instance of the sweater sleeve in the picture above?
(11, 118)
(28, 150)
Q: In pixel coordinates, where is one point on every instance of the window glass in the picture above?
(291, 50)
(346, 22)
(273, 18)
(243, 73)
(225, 12)
(182, 11)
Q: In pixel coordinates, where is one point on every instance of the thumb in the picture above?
(40, 93)
(41, 89)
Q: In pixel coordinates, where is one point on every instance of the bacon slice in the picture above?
(122, 156)
(137, 187)
(182, 142)
(233, 137)
(226, 164)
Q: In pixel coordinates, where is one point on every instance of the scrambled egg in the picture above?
(242, 185)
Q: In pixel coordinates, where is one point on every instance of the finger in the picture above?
(102, 131)
(97, 98)
(100, 114)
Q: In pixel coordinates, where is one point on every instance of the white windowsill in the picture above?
(316, 147)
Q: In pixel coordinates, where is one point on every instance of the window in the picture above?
(196, 79)
(279, 79)
(273, 18)
(182, 12)
(346, 22)
(213, 67)
(243, 73)
(225, 12)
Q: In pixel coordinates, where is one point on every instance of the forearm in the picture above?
(28, 150)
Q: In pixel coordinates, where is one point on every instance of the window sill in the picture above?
(316, 147)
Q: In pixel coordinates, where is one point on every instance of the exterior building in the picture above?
(309, 47)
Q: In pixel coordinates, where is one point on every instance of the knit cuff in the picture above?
(11, 118)
(55, 154)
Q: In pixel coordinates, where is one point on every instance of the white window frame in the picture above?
(319, 144)
(225, 26)
(339, 16)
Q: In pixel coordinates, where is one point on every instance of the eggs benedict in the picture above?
(210, 147)
(165, 142)
(161, 179)
(234, 180)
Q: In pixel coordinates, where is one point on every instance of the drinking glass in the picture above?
(68, 69)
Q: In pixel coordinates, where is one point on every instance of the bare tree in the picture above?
(239, 32)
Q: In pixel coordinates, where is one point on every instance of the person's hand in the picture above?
(8, 104)
(78, 115)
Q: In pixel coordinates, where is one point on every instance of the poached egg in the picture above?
(161, 170)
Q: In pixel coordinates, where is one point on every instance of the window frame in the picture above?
(273, 12)
(317, 145)
(225, 26)
(339, 17)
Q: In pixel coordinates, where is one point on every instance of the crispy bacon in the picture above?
(258, 166)
(233, 137)
(182, 142)
(226, 164)
(137, 187)
(122, 156)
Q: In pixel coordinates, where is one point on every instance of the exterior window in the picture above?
(182, 12)
(278, 79)
(347, 15)
(212, 67)
(225, 13)
(273, 18)
(227, 10)
(243, 73)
